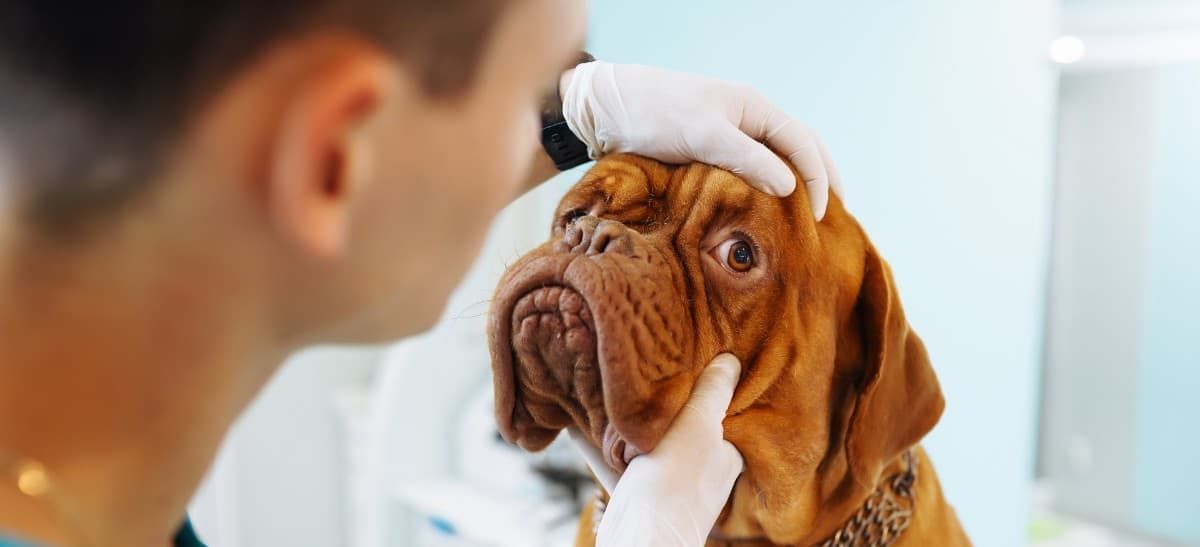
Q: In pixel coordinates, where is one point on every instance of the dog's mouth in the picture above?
(599, 344)
(616, 451)
(554, 341)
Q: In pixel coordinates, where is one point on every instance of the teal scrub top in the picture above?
(185, 537)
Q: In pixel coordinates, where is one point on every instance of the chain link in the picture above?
(882, 518)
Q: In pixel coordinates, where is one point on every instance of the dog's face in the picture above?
(651, 271)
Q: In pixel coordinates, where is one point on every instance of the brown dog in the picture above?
(651, 271)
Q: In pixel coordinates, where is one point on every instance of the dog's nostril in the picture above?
(611, 237)
(600, 241)
(578, 235)
(573, 237)
(592, 236)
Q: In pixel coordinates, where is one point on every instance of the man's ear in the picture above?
(320, 157)
(899, 399)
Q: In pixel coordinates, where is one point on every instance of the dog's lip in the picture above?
(543, 271)
(553, 269)
(616, 451)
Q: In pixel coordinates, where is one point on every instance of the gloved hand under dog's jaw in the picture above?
(680, 118)
(673, 495)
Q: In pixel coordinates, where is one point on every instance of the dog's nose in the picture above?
(591, 235)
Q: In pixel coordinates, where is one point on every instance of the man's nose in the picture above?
(591, 235)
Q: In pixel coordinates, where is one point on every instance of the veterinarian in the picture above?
(191, 191)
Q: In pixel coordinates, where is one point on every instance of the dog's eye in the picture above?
(741, 257)
(738, 254)
(573, 215)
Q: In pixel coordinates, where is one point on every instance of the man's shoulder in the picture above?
(185, 537)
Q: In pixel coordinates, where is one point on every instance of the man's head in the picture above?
(343, 158)
(653, 270)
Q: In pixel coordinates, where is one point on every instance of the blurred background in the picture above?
(1030, 168)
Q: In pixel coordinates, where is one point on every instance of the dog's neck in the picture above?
(878, 522)
(906, 493)
(885, 515)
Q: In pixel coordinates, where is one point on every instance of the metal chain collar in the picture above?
(880, 521)
(884, 517)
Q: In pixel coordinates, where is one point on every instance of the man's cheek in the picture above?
(523, 141)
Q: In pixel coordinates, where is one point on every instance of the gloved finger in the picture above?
(634, 522)
(714, 389)
(764, 121)
(670, 502)
(835, 178)
(595, 461)
(800, 145)
(727, 464)
(738, 153)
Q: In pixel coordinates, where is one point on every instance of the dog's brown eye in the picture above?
(573, 215)
(741, 256)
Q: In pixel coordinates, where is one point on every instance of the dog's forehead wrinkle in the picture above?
(717, 306)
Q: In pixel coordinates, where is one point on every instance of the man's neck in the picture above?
(120, 376)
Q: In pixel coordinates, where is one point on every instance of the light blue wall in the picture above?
(1166, 481)
(939, 115)
(1121, 3)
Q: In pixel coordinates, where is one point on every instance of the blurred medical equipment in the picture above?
(442, 472)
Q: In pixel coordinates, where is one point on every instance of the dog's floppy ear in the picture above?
(899, 399)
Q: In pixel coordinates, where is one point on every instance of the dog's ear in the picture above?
(899, 399)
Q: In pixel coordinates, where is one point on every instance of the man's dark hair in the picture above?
(93, 94)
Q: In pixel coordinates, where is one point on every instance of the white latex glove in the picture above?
(678, 118)
(673, 495)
